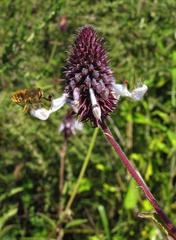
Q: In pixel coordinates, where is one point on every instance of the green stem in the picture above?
(83, 169)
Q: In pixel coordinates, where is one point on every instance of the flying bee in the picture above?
(29, 98)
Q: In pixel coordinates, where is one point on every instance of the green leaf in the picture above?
(132, 195)
(75, 222)
(5, 231)
(149, 171)
(172, 138)
(109, 188)
(11, 193)
(48, 220)
(104, 220)
(164, 116)
(147, 205)
(8, 215)
(85, 185)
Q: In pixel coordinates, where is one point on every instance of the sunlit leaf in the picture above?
(132, 195)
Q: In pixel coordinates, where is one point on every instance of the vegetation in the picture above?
(140, 39)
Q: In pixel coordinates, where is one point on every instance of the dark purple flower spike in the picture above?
(89, 80)
(90, 87)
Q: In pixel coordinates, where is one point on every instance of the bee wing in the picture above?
(40, 113)
(139, 92)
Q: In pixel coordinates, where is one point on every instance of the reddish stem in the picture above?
(171, 229)
(62, 167)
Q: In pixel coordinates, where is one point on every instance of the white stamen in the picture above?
(139, 92)
(92, 97)
(95, 106)
(40, 113)
(58, 103)
(97, 112)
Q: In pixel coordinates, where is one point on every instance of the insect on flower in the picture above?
(29, 98)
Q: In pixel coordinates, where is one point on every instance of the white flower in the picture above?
(43, 113)
(57, 103)
(40, 113)
(70, 125)
(139, 92)
(121, 90)
(78, 125)
(136, 94)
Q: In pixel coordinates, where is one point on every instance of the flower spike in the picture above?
(87, 70)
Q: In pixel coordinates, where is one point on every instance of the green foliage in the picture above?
(140, 39)
(132, 196)
(104, 220)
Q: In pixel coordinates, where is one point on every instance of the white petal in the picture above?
(78, 125)
(121, 90)
(139, 92)
(58, 103)
(92, 97)
(40, 113)
(61, 128)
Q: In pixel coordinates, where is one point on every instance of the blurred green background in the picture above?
(140, 37)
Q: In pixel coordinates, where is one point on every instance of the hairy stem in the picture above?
(171, 229)
(83, 169)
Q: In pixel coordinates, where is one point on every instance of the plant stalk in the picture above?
(171, 229)
(83, 169)
(62, 167)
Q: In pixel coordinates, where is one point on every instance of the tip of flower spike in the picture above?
(85, 28)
